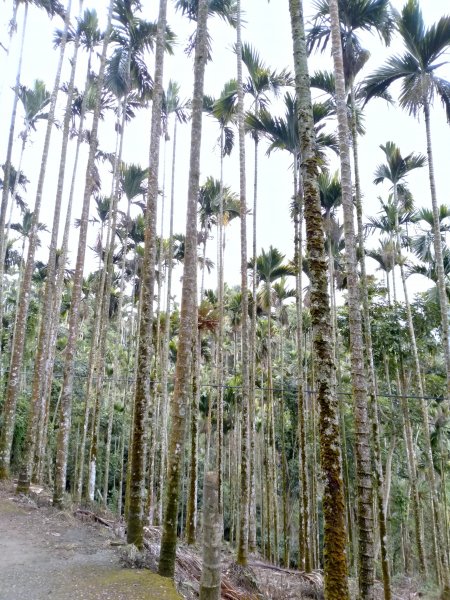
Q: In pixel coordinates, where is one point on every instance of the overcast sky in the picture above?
(268, 29)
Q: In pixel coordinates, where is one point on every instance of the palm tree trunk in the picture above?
(13, 195)
(59, 286)
(242, 551)
(438, 542)
(67, 389)
(6, 178)
(220, 337)
(105, 290)
(284, 465)
(335, 562)
(442, 294)
(12, 391)
(110, 402)
(41, 359)
(188, 311)
(304, 560)
(438, 249)
(142, 392)
(252, 508)
(166, 336)
(210, 581)
(362, 426)
(191, 510)
(412, 468)
(372, 387)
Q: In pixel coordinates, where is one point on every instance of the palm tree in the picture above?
(359, 387)
(335, 564)
(142, 398)
(270, 268)
(259, 83)
(17, 351)
(354, 17)
(242, 549)
(125, 72)
(350, 18)
(282, 293)
(172, 106)
(188, 312)
(282, 134)
(68, 376)
(34, 101)
(52, 7)
(422, 244)
(214, 198)
(330, 200)
(417, 69)
(49, 315)
(224, 111)
(385, 256)
(88, 35)
(198, 11)
(395, 170)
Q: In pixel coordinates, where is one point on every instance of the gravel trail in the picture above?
(49, 554)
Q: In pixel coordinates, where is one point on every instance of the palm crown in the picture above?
(417, 66)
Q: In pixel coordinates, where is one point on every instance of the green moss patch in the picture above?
(126, 584)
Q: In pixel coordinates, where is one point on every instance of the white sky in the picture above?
(268, 30)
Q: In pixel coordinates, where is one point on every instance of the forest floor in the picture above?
(81, 555)
(50, 554)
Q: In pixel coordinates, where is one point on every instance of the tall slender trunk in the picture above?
(13, 195)
(284, 465)
(252, 378)
(6, 178)
(110, 401)
(362, 426)
(335, 562)
(60, 278)
(142, 398)
(17, 351)
(220, 337)
(372, 387)
(242, 551)
(438, 250)
(69, 359)
(210, 581)
(438, 541)
(188, 313)
(166, 336)
(105, 291)
(41, 360)
(304, 539)
(412, 468)
(191, 509)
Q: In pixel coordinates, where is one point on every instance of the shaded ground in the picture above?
(45, 553)
(50, 554)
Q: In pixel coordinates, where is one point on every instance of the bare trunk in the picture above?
(372, 388)
(41, 359)
(362, 426)
(142, 398)
(187, 311)
(5, 193)
(242, 551)
(191, 510)
(438, 250)
(335, 563)
(12, 391)
(212, 533)
(67, 389)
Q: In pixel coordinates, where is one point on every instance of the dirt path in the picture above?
(47, 554)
